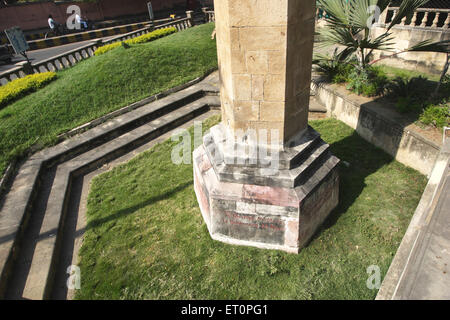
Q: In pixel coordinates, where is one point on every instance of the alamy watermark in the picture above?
(374, 280)
(375, 12)
(74, 279)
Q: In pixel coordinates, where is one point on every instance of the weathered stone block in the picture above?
(245, 208)
(257, 62)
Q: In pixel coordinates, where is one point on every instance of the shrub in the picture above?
(445, 86)
(20, 87)
(152, 35)
(438, 116)
(106, 48)
(409, 94)
(368, 82)
(138, 40)
(336, 68)
(407, 104)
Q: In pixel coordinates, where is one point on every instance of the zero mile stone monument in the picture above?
(263, 177)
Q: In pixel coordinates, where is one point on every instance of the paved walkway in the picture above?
(421, 267)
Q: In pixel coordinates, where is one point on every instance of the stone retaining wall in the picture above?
(405, 145)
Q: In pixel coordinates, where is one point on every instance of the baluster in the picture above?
(436, 20)
(424, 20)
(69, 63)
(403, 22)
(447, 21)
(414, 19)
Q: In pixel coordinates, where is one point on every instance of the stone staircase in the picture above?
(34, 213)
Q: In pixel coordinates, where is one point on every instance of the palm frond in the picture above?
(338, 35)
(430, 46)
(337, 11)
(382, 42)
(361, 12)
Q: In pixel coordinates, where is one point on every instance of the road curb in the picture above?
(84, 36)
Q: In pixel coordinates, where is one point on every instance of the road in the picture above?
(42, 54)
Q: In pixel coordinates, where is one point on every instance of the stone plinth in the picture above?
(263, 177)
(254, 205)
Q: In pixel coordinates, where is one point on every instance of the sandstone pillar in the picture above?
(263, 177)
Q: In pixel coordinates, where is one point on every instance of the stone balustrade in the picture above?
(422, 18)
(181, 24)
(209, 15)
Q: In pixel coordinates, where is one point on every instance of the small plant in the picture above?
(438, 116)
(445, 86)
(369, 82)
(18, 88)
(336, 68)
(410, 94)
(407, 104)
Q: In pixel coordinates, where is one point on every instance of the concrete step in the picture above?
(29, 254)
(42, 265)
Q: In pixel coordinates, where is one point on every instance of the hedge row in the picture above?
(18, 88)
(141, 39)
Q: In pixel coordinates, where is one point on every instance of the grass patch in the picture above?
(407, 74)
(146, 238)
(102, 84)
(410, 91)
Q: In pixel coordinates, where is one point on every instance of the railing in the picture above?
(70, 58)
(209, 15)
(55, 63)
(127, 36)
(423, 18)
(181, 24)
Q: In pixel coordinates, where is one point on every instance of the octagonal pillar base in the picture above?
(266, 213)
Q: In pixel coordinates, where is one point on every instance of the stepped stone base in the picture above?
(242, 205)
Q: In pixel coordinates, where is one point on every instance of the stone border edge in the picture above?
(394, 275)
(11, 169)
(317, 84)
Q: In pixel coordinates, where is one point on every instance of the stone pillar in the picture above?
(265, 53)
(263, 177)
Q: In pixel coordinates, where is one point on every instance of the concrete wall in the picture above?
(34, 15)
(405, 37)
(381, 128)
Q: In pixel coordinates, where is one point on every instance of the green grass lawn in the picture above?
(103, 84)
(146, 239)
(405, 73)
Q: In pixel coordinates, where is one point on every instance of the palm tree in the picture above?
(350, 23)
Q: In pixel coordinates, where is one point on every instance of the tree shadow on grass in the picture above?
(359, 159)
(130, 210)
